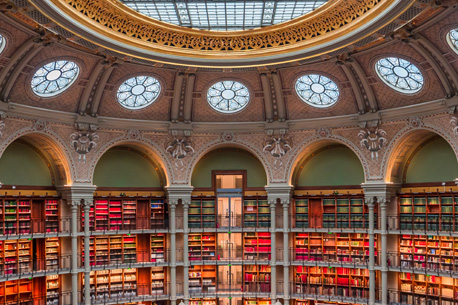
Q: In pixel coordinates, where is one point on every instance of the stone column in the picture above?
(74, 234)
(371, 267)
(384, 256)
(186, 251)
(173, 248)
(286, 258)
(273, 255)
(87, 263)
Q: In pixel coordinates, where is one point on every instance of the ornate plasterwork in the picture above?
(83, 142)
(373, 139)
(454, 123)
(277, 147)
(179, 148)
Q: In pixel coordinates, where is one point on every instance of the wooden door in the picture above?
(315, 213)
(143, 214)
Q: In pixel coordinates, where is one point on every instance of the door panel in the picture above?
(315, 213)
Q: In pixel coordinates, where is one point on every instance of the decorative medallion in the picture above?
(323, 132)
(2, 127)
(454, 123)
(179, 149)
(83, 142)
(373, 139)
(277, 147)
(40, 125)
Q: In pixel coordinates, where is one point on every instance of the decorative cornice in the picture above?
(112, 25)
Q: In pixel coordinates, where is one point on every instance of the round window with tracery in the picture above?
(54, 78)
(138, 92)
(452, 39)
(400, 74)
(228, 96)
(2, 43)
(317, 90)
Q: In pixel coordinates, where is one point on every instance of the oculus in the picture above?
(54, 78)
(452, 39)
(400, 74)
(317, 90)
(2, 43)
(138, 92)
(228, 96)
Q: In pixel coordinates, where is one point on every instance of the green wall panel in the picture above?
(435, 162)
(21, 165)
(228, 160)
(123, 168)
(335, 166)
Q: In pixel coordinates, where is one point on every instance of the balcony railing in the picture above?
(138, 293)
(38, 227)
(136, 259)
(354, 258)
(232, 255)
(37, 267)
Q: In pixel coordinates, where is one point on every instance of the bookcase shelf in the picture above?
(202, 246)
(435, 212)
(202, 301)
(158, 247)
(16, 292)
(158, 280)
(301, 211)
(332, 281)
(112, 249)
(158, 214)
(256, 213)
(16, 256)
(250, 301)
(15, 216)
(257, 278)
(256, 245)
(52, 253)
(420, 289)
(202, 213)
(338, 247)
(52, 215)
(52, 289)
(113, 283)
(202, 279)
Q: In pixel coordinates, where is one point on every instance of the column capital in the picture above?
(380, 191)
(77, 194)
(282, 191)
(176, 192)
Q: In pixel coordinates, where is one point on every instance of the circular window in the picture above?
(138, 92)
(228, 96)
(400, 74)
(452, 39)
(317, 90)
(54, 78)
(2, 43)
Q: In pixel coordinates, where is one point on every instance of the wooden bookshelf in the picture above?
(16, 292)
(337, 247)
(256, 278)
(256, 212)
(112, 249)
(256, 245)
(432, 212)
(158, 214)
(203, 302)
(52, 215)
(158, 280)
(311, 302)
(16, 256)
(113, 283)
(249, 301)
(331, 281)
(52, 253)
(202, 246)
(16, 217)
(202, 279)
(427, 289)
(158, 248)
(336, 211)
(202, 213)
(52, 289)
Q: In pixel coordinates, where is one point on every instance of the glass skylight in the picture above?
(400, 74)
(54, 78)
(138, 92)
(317, 90)
(228, 96)
(223, 15)
(452, 39)
(2, 43)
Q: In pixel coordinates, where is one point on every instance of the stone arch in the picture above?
(403, 145)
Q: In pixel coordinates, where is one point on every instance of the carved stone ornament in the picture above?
(323, 132)
(133, 134)
(415, 122)
(373, 139)
(277, 147)
(454, 123)
(40, 125)
(179, 148)
(2, 127)
(227, 137)
(83, 142)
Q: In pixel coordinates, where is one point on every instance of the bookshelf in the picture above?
(202, 302)
(202, 213)
(331, 281)
(52, 253)
(52, 215)
(158, 247)
(158, 280)
(113, 283)
(16, 292)
(202, 246)
(52, 289)
(301, 211)
(158, 214)
(336, 247)
(202, 279)
(256, 213)
(249, 301)
(112, 249)
(435, 212)
(256, 245)
(428, 252)
(420, 289)
(257, 278)
(16, 256)
(15, 217)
